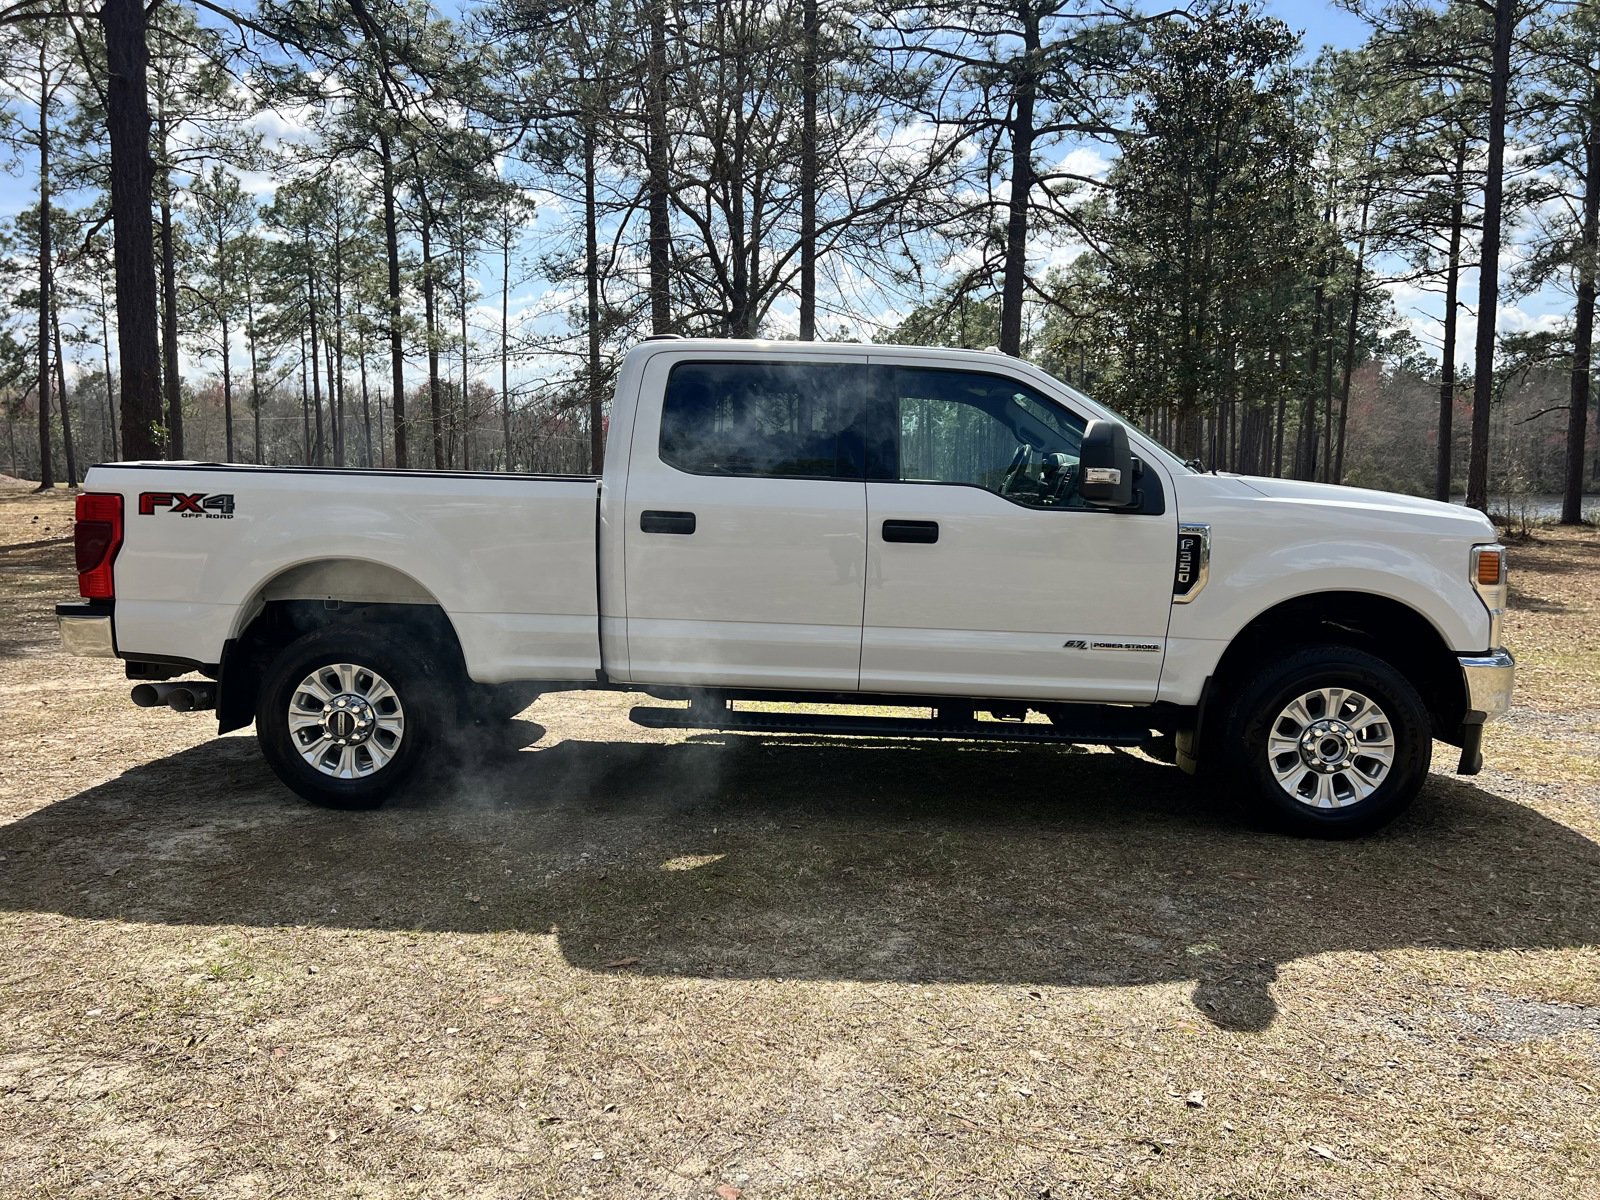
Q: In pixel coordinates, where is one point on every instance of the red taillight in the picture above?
(96, 537)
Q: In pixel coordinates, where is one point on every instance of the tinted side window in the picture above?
(988, 431)
(795, 420)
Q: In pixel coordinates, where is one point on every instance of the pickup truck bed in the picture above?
(511, 558)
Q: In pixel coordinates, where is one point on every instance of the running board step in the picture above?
(1097, 727)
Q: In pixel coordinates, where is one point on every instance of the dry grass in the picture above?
(845, 968)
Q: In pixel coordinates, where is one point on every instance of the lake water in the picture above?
(1546, 507)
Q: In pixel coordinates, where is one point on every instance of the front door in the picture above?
(987, 575)
(745, 538)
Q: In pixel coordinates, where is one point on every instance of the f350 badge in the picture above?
(197, 504)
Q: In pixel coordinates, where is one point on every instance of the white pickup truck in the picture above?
(951, 535)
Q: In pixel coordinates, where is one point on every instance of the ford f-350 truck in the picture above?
(951, 534)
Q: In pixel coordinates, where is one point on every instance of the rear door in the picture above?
(986, 573)
(745, 523)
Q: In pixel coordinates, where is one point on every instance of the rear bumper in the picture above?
(1489, 679)
(86, 629)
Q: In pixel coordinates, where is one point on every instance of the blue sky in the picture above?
(1320, 25)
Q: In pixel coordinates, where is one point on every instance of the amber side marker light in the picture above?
(1491, 566)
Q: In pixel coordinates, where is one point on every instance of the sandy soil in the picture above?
(611, 962)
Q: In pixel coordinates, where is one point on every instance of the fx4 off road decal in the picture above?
(198, 504)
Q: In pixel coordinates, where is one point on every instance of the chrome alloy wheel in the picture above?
(1331, 748)
(346, 720)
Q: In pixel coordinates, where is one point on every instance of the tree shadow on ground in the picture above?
(787, 858)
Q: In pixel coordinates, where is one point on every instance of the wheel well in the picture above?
(1394, 632)
(246, 658)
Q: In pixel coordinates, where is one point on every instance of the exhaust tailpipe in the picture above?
(194, 696)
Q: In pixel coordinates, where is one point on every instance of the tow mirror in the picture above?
(1106, 466)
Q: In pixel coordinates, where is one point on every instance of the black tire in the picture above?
(1248, 771)
(411, 669)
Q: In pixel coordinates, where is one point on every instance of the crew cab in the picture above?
(952, 540)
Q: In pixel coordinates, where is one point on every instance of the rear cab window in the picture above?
(775, 419)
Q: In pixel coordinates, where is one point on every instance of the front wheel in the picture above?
(345, 715)
(1330, 742)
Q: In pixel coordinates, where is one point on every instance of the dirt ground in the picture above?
(611, 962)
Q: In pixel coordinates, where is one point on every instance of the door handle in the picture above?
(655, 521)
(923, 533)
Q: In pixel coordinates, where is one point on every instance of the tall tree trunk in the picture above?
(1444, 467)
(461, 283)
(314, 345)
(1489, 258)
(1321, 450)
(505, 344)
(227, 388)
(105, 346)
(1305, 456)
(61, 391)
(305, 405)
(1337, 475)
(327, 365)
(1583, 338)
(336, 377)
(133, 243)
(255, 367)
(591, 271)
(397, 355)
(171, 381)
(47, 473)
(1022, 133)
(366, 404)
(435, 401)
(808, 174)
(1282, 414)
(656, 154)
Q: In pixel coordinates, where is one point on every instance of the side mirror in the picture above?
(1106, 466)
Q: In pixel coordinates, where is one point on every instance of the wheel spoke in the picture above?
(314, 752)
(1369, 717)
(1284, 772)
(378, 753)
(1326, 797)
(1297, 713)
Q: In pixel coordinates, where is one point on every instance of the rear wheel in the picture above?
(1330, 742)
(345, 714)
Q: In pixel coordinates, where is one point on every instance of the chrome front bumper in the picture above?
(1489, 679)
(86, 630)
